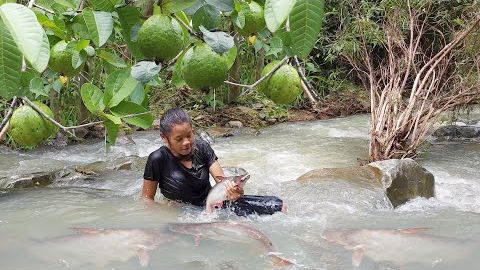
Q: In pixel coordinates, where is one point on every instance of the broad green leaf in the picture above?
(222, 5)
(118, 86)
(57, 86)
(37, 87)
(69, 4)
(82, 44)
(173, 6)
(129, 18)
(103, 5)
(219, 41)
(127, 108)
(276, 11)
(49, 24)
(27, 33)
(177, 80)
(10, 64)
(144, 71)
(231, 56)
(92, 97)
(112, 131)
(78, 58)
(25, 79)
(58, 8)
(138, 95)
(112, 59)
(276, 46)
(208, 16)
(115, 119)
(99, 25)
(193, 8)
(305, 25)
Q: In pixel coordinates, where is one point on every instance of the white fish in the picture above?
(229, 232)
(99, 247)
(217, 194)
(401, 246)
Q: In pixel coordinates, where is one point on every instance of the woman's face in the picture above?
(180, 139)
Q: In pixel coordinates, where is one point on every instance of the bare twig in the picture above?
(46, 116)
(5, 122)
(270, 72)
(44, 9)
(307, 87)
(190, 30)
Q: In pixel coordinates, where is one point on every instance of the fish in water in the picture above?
(99, 247)
(217, 194)
(401, 246)
(229, 231)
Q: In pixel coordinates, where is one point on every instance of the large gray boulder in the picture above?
(400, 179)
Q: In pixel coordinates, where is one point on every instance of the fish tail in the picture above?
(279, 261)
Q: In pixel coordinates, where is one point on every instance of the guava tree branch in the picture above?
(66, 129)
(307, 87)
(5, 122)
(190, 30)
(270, 72)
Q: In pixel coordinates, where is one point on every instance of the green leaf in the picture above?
(208, 16)
(276, 11)
(78, 58)
(129, 18)
(99, 25)
(112, 59)
(37, 87)
(305, 25)
(115, 119)
(231, 56)
(112, 131)
(144, 71)
(276, 46)
(172, 6)
(49, 24)
(82, 44)
(222, 5)
(193, 8)
(138, 95)
(118, 86)
(27, 33)
(92, 97)
(126, 108)
(219, 41)
(103, 5)
(10, 64)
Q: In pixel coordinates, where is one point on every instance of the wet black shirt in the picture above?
(178, 182)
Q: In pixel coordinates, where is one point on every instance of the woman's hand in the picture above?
(233, 192)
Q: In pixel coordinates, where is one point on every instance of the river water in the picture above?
(35, 224)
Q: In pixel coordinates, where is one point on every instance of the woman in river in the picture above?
(182, 166)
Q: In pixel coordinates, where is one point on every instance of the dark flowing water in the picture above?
(33, 222)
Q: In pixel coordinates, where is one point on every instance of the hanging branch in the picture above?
(270, 72)
(5, 122)
(307, 87)
(66, 129)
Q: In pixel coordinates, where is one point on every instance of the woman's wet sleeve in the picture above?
(209, 154)
(152, 168)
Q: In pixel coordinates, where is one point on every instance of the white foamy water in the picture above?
(40, 219)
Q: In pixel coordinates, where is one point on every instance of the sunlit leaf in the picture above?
(10, 63)
(305, 25)
(276, 12)
(99, 25)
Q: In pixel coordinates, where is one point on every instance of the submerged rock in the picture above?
(400, 179)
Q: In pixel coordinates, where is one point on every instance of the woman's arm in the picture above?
(233, 193)
(149, 189)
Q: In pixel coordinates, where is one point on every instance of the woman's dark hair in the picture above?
(171, 118)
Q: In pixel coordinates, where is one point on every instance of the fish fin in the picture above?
(357, 257)
(143, 257)
(414, 230)
(279, 261)
(86, 230)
